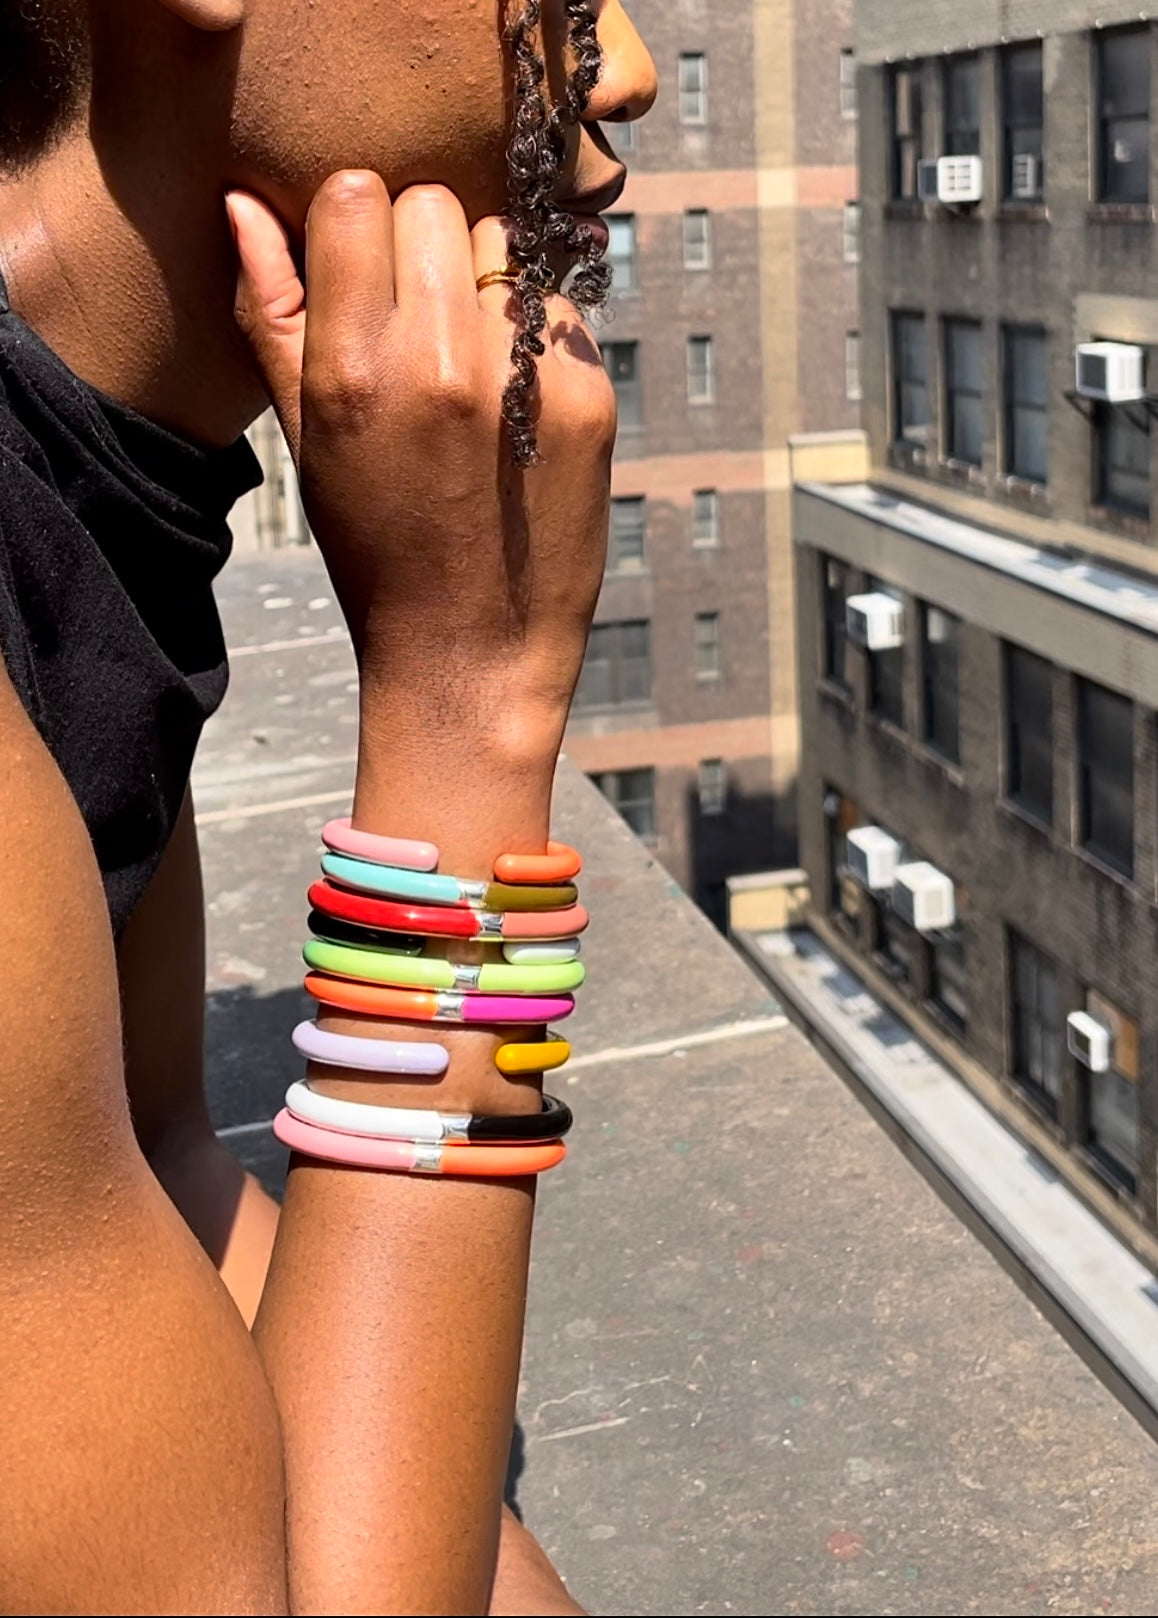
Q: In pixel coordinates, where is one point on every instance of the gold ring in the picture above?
(497, 278)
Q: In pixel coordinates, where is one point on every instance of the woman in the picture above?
(348, 1455)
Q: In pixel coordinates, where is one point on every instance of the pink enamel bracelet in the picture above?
(410, 1157)
(559, 864)
(342, 838)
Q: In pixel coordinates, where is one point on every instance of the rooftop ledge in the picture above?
(766, 1368)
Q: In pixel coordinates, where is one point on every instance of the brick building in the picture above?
(732, 331)
(989, 702)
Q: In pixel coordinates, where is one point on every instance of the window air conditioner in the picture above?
(1088, 1040)
(958, 180)
(927, 188)
(875, 621)
(1111, 372)
(873, 857)
(924, 897)
(1026, 178)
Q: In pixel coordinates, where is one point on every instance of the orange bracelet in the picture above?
(441, 1005)
(559, 864)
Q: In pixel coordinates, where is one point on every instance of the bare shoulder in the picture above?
(140, 1442)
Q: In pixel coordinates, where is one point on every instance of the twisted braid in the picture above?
(534, 163)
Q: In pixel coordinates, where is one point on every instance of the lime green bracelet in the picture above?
(365, 965)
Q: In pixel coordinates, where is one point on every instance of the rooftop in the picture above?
(766, 1368)
(1114, 592)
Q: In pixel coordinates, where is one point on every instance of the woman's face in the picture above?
(418, 90)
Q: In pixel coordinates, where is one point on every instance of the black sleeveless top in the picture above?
(111, 533)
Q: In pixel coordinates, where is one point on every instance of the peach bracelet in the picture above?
(559, 864)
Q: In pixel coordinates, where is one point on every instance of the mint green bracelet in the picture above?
(365, 965)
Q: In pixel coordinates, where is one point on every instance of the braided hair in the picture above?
(534, 162)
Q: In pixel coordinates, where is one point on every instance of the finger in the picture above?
(490, 250)
(349, 269)
(434, 267)
(570, 338)
(270, 305)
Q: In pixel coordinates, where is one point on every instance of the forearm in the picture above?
(392, 1321)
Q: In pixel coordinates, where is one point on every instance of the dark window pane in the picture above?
(910, 377)
(1038, 1034)
(1124, 457)
(963, 106)
(1029, 732)
(940, 655)
(617, 666)
(835, 628)
(633, 794)
(1106, 768)
(1027, 404)
(949, 984)
(906, 130)
(1113, 1123)
(1023, 111)
(964, 383)
(622, 362)
(628, 530)
(1124, 115)
(886, 674)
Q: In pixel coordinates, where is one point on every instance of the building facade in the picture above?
(732, 330)
(990, 702)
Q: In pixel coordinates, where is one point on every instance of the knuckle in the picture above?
(344, 392)
(452, 389)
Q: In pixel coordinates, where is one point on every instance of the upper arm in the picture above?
(161, 967)
(140, 1442)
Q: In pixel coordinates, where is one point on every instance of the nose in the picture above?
(628, 85)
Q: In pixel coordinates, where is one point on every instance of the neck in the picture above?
(134, 290)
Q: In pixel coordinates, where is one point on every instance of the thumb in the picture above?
(270, 306)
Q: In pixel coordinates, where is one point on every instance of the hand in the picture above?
(467, 585)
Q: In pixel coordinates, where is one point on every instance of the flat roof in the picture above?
(1114, 592)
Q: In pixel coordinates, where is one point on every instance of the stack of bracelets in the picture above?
(380, 900)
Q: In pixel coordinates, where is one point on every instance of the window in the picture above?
(1122, 440)
(622, 362)
(713, 786)
(964, 386)
(1038, 1029)
(633, 794)
(835, 578)
(1029, 733)
(907, 144)
(886, 674)
(963, 106)
(853, 387)
(848, 106)
(1123, 91)
(707, 641)
(697, 239)
(628, 534)
(701, 371)
(621, 253)
(1106, 772)
(617, 666)
(693, 89)
(940, 661)
(705, 518)
(841, 816)
(1023, 121)
(1027, 404)
(623, 137)
(899, 945)
(1112, 1097)
(948, 984)
(910, 380)
(851, 237)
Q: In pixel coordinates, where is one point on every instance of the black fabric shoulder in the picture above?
(111, 533)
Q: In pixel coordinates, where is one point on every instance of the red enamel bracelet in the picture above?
(445, 921)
